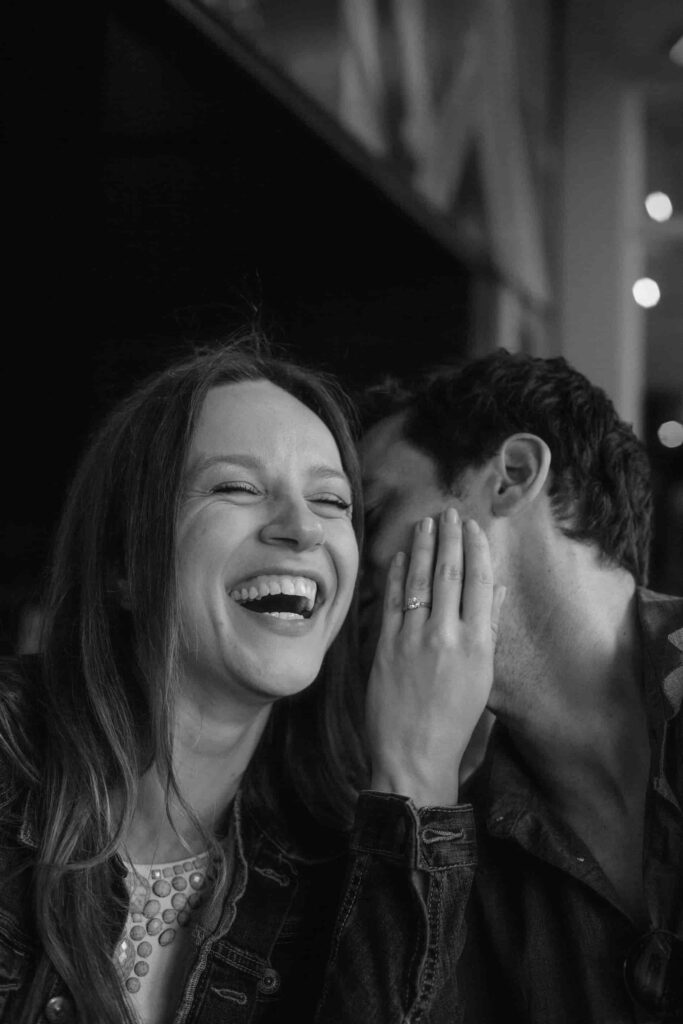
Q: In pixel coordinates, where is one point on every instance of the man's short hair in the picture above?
(599, 485)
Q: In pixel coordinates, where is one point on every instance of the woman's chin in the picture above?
(266, 680)
(276, 687)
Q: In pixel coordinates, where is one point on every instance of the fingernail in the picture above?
(427, 525)
(400, 558)
(451, 515)
(472, 526)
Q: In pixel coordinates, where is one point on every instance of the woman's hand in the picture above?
(433, 667)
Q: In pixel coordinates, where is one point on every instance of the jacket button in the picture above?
(59, 1010)
(269, 981)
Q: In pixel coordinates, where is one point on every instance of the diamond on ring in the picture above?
(414, 602)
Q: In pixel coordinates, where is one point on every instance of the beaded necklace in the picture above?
(164, 898)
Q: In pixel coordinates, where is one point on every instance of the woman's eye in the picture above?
(237, 487)
(334, 501)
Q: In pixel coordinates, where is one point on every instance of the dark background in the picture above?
(159, 197)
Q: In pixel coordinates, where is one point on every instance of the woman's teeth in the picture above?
(287, 597)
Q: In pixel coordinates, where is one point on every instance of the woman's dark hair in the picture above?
(600, 474)
(110, 666)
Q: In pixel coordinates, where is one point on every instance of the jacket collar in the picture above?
(293, 832)
(661, 620)
(306, 841)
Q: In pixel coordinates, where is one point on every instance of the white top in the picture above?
(155, 950)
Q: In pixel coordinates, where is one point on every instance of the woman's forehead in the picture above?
(259, 417)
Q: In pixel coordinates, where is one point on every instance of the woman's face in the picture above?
(267, 556)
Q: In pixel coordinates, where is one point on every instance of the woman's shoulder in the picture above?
(19, 725)
(18, 674)
(18, 774)
(18, 684)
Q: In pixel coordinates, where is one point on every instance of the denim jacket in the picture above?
(263, 960)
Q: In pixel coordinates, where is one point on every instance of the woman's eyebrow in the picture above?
(201, 463)
(205, 461)
(329, 473)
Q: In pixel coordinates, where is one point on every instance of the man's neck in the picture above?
(569, 668)
(578, 721)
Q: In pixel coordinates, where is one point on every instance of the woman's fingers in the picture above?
(418, 587)
(448, 572)
(450, 579)
(394, 596)
(477, 598)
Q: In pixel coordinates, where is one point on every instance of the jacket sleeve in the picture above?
(400, 929)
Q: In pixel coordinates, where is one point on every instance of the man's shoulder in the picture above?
(652, 602)
(661, 617)
(661, 622)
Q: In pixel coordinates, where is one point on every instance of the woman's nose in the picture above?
(294, 525)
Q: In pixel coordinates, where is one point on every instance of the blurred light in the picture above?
(659, 206)
(676, 52)
(646, 292)
(671, 434)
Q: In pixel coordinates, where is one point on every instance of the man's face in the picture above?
(401, 486)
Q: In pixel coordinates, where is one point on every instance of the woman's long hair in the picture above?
(110, 666)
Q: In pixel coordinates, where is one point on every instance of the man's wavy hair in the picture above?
(599, 486)
(103, 700)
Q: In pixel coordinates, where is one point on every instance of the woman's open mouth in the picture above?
(282, 596)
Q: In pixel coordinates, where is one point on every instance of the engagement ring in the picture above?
(414, 602)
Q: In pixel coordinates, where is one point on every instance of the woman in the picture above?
(203, 572)
(181, 768)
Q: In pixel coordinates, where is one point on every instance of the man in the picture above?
(575, 911)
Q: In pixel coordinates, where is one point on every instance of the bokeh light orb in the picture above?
(659, 206)
(670, 434)
(646, 292)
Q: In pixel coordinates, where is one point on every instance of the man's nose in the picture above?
(294, 525)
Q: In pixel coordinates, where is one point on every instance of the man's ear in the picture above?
(522, 467)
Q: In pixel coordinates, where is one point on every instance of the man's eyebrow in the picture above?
(199, 464)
